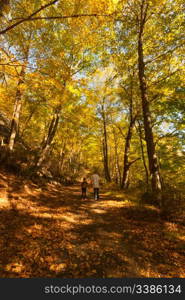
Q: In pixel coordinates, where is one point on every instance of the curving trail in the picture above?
(48, 231)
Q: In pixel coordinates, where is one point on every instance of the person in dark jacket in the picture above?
(84, 188)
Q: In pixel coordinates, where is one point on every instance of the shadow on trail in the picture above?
(53, 233)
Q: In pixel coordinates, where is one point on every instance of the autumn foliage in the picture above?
(88, 85)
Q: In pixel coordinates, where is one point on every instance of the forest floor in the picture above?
(48, 231)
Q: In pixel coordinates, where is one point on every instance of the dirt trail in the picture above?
(49, 231)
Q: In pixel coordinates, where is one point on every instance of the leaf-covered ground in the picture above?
(48, 231)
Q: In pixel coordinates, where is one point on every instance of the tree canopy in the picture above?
(92, 139)
(96, 83)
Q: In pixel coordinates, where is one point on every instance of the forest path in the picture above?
(48, 231)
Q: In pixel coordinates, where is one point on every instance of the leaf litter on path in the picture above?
(51, 232)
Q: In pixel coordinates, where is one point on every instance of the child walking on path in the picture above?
(84, 188)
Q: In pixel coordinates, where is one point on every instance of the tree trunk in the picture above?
(127, 164)
(143, 154)
(61, 158)
(47, 143)
(105, 147)
(14, 127)
(28, 121)
(118, 170)
(17, 110)
(152, 156)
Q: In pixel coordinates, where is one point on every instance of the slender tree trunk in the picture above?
(118, 169)
(28, 121)
(14, 127)
(17, 110)
(152, 156)
(105, 147)
(62, 157)
(143, 154)
(47, 143)
(125, 178)
(127, 164)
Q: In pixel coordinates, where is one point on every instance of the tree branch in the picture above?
(120, 129)
(133, 161)
(29, 17)
(163, 54)
(64, 17)
(163, 79)
(170, 134)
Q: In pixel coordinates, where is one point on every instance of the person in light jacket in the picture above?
(95, 180)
